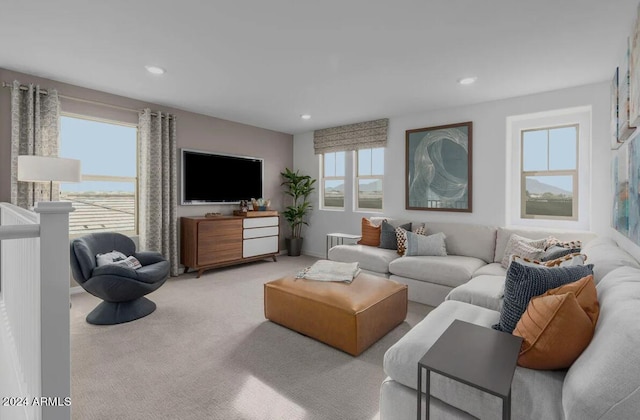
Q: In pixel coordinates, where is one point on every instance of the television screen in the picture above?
(217, 178)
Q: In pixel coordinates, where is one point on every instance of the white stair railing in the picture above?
(34, 311)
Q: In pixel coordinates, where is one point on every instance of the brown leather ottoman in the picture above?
(350, 317)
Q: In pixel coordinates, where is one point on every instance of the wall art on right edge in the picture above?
(438, 164)
(634, 72)
(634, 190)
(624, 128)
(620, 177)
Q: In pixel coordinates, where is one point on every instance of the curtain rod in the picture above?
(87, 101)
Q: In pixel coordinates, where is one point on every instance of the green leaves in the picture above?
(299, 187)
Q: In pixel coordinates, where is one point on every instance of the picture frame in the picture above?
(634, 74)
(624, 128)
(439, 168)
(615, 120)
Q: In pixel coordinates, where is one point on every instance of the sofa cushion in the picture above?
(485, 291)
(558, 325)
(504, 233)
(523, 283)
(493, 269)
(529, 388)
(421, 245)
(370, 258)
(606, 256)
(370, 233)
(451, 271)
(401, 360)
(604, 383)
(468, 240)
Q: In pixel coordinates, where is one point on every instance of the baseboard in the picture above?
(76, 290)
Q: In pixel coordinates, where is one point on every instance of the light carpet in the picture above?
(207, 352)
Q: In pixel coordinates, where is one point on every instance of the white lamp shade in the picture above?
(47, 168)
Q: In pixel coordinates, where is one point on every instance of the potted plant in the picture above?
(299, 187)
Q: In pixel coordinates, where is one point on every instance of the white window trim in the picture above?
(110, 178)
(356, 183)
(324, 178)
(515, 125)
(565, 172)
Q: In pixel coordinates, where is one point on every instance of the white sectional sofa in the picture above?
(468, 284)
(603, 383)
(472, 251)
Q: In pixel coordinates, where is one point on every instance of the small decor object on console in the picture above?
(261, 204)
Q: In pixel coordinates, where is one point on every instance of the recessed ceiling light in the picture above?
(305, 116)
(155, 69)
(467, 80)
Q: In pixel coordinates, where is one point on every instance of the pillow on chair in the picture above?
(109, 258)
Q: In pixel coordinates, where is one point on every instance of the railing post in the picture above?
(54, 309)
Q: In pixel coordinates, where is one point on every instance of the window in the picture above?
(549, 176)
(333, 169)
(105, 200)
(369, 176)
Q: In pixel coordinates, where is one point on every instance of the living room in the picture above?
(531, 65)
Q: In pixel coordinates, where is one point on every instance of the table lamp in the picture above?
(48, 169)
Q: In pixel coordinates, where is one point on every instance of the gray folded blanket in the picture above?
(324, 270)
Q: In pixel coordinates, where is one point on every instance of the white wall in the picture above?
(489, 163)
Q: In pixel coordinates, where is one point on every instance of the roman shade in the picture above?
(364, 135)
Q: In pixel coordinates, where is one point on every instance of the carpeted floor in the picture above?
(207, 352)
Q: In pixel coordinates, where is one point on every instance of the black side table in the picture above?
(477, 356)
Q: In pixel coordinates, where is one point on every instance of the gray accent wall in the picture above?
(195, 131)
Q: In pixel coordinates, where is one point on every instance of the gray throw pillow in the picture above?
(432, 245)
(525, 282)
(557, 252)
(388, 238)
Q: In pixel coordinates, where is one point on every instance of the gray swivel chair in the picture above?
(121, 288)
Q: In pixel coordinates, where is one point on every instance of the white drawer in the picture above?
(259, 246)
(254, 222)
(260, 232)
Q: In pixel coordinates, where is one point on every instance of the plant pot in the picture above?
(294, 246)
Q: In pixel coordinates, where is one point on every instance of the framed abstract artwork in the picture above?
(439, 168)
(620, 178)
(624, 128)
(615, 128)
(634, 73)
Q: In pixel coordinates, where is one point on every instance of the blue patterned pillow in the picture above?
(523, 283)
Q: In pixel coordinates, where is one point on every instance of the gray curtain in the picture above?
(35, 128)
(158, 184)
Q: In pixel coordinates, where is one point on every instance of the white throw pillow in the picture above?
(523, 247)
(110, 258)
(131, 262)
(566, 261)
(432, 245)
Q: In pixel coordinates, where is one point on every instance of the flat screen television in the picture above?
(209, 178)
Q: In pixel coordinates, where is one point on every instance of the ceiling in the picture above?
(265, 63)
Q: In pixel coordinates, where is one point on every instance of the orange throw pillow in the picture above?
(370, 233)
(558, 325)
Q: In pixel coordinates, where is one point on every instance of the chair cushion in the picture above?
(485, 291)
(451, 271)
(604, 383)
(370, 258)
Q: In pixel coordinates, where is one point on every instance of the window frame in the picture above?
(324, 178)
(357, 178)
(563, 172)
(113, 178)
